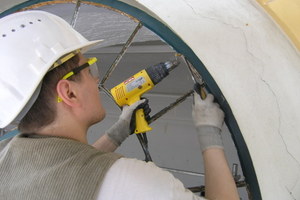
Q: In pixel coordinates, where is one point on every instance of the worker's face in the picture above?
(93, 109)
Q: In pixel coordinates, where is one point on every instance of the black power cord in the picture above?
(142, 137)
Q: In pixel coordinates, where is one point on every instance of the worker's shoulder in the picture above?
(4, 143)
(130, 174)
(135, 166)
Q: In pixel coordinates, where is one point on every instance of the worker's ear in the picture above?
(67, 92)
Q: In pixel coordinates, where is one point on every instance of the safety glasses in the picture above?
(90, 63)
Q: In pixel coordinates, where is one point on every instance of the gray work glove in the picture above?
(208, 119)
(126, 123)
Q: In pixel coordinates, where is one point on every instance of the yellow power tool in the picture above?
(131, 90)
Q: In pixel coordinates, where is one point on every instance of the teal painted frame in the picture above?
(173, 40)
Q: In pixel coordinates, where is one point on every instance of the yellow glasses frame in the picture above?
(76, 70)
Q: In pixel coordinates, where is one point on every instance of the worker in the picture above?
(51, 91)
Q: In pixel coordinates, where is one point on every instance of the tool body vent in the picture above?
(120, 93)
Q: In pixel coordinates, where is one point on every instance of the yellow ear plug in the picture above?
(59, 100)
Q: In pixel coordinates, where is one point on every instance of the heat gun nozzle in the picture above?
(161, 70)
(170, 65)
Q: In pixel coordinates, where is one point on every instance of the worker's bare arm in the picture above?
(219, 183)
(105, 144)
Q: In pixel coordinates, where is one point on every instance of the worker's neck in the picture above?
(66, 128)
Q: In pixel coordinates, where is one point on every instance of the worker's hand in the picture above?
(208, 119)
(126, 123)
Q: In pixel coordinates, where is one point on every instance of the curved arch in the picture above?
(181, 47)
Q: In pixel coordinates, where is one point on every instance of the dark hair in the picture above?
(43, 111)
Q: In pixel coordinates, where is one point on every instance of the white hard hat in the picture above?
(30, 43)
